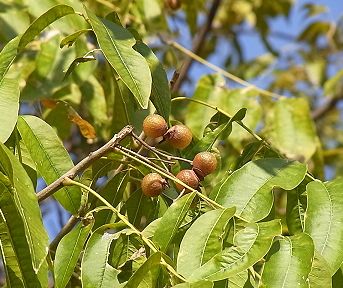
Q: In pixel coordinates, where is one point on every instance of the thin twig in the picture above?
(222, 71)
(85, 163)
(198, 44)
(64, 231)
(149, 243)
(329, 105)
(156, 151)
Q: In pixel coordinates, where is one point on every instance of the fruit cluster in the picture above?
(179, 137)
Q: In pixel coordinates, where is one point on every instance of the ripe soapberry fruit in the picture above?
(188, 177)
(179, 136)
(173, 4)
(204, 163)
(153, 184)
(154, 126)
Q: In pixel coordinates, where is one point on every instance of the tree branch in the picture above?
(85, 163)
(64, 231)
(197, 45)
(325, 108)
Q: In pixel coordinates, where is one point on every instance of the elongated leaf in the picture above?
(7, 56)
(112, 191)
(171, 221)
(203, 240)
(9, 107)
(249, 188)
(160, 92)
(289, 262)
(250, 245)
(95, 271)
(42, 22)
(23, 217)
(296, 206)
(320, 275)
(70, 39)
(149, 267)
(238, 281)
(223, 130)
(77, 61)
(116, 44)
(289, 124)
(68, 252)
(324, 218)
(50, 157)
(198, 284)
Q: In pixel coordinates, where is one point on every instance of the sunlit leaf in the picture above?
(323, 220)
(250, 245)
(289, 262)
(51, 158)
(250, 188)
(9, 107)
(7, 56)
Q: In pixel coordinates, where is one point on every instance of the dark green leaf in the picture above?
(149, 267)
(68, 252)
(70, 39)
(160, 93)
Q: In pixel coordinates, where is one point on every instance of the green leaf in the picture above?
(171, 221)
(9, 107)
(290, 128)
(320, 275)
(149, 267)
(324, 218)
(296, 206)
(70, 39)
(112, 191)
(160, 92)
(42, 22)
(116, 44)
(198, 284)
(250, 188)
(222, 131)
(238, 281)
(203, 240)
(289, 262)
(68, 252)
(331, 86)
(7, 56)
(95, 271)
(250, 245)
(77, 61)
(51, 158)
(20, 209)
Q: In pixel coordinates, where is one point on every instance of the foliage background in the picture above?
(272, 44)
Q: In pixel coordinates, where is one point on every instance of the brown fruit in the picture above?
(153, 184)
(179, 136)
(173, 4)
(154, 126)
(188, 177)
(204, 163)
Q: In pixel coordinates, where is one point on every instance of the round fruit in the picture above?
(188, 177)
(204, 163)
(154, 126)
(173, 4)
(153, 184)
(179, 136)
